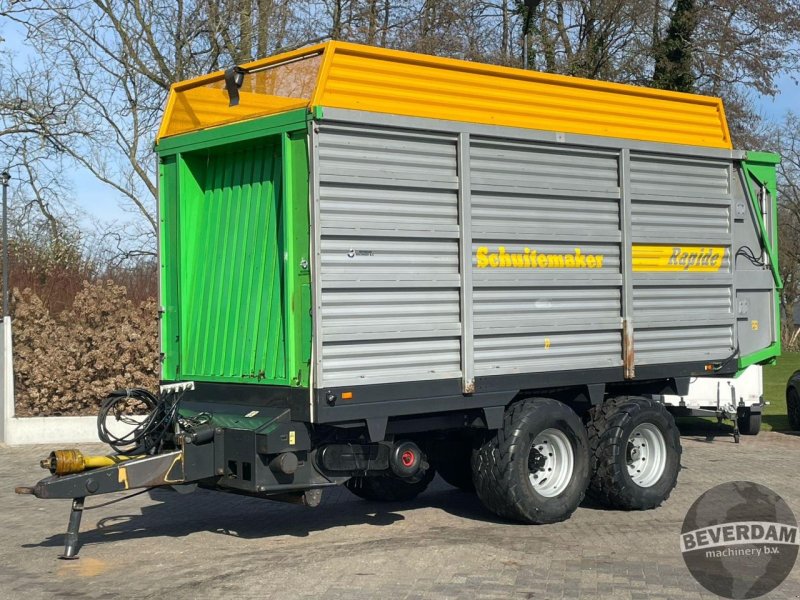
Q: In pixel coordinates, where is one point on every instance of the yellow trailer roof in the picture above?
(352, 76)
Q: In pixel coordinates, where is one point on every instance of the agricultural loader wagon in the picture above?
(379, 265)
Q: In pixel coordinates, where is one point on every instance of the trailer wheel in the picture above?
(390, 487)
(452, 458)
(748, 422)
(534, 469)
(635, 453)
(793, 408)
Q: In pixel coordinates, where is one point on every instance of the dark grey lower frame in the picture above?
(383, 401)
(425, 398)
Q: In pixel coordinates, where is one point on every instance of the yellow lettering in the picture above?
(677, 258)
(555, 261)
(480, 256)
(542, 260)
(533, 259)
(505, 259)
(580, 260)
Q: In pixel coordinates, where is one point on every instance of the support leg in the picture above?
(71, 539)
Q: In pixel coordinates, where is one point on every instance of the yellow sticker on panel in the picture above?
(706, 259)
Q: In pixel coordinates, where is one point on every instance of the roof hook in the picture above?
(234, 76)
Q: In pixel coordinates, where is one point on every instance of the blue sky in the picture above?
(99, 202)
(788, 99)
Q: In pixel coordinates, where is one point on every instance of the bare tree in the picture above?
(788, 139)
(93, 85)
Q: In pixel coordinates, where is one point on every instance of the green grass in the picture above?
(775, 378)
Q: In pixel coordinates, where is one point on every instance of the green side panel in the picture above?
(168, 268)
(766, 356)
(760, 170)
(298, 259)
(234, 245)
(232, 322)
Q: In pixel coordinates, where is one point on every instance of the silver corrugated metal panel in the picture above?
(547, 351)
(533, 309)
(655, 217)
(649, 301)
(669, 304)
(677, 343)
(385, 209)
(553, 201)
(407, 220)
(359, 363)
(682, 316)
(356, 261)
(545, 215)
(357, 151)
(539, 167)
(412, 313)
(389, 256)
(680, 200)
(694, 178)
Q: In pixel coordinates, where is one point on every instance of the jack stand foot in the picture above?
(71, 539)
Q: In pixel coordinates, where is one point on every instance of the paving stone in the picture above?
(443, 545)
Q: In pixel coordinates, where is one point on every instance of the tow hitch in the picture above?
(215, 445)
(122, 473)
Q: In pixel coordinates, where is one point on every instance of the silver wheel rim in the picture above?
(550, 463)
(646, 455)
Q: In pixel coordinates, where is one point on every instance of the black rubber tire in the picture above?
(452, 458)
(748, 422)
(793, 408)
(390, 487)
(610, 426)
(500, 463)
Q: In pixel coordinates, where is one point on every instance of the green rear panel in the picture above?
(234, 246)
(230, 244)
(761, 167)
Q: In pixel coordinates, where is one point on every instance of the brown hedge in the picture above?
(66, 363)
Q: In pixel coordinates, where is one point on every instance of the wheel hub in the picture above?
(536, 461)
(646, 455)
(551, 463)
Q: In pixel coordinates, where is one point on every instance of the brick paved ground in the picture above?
(444, 545)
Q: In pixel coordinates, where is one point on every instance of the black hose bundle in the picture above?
(748, 253)
(148, 436)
